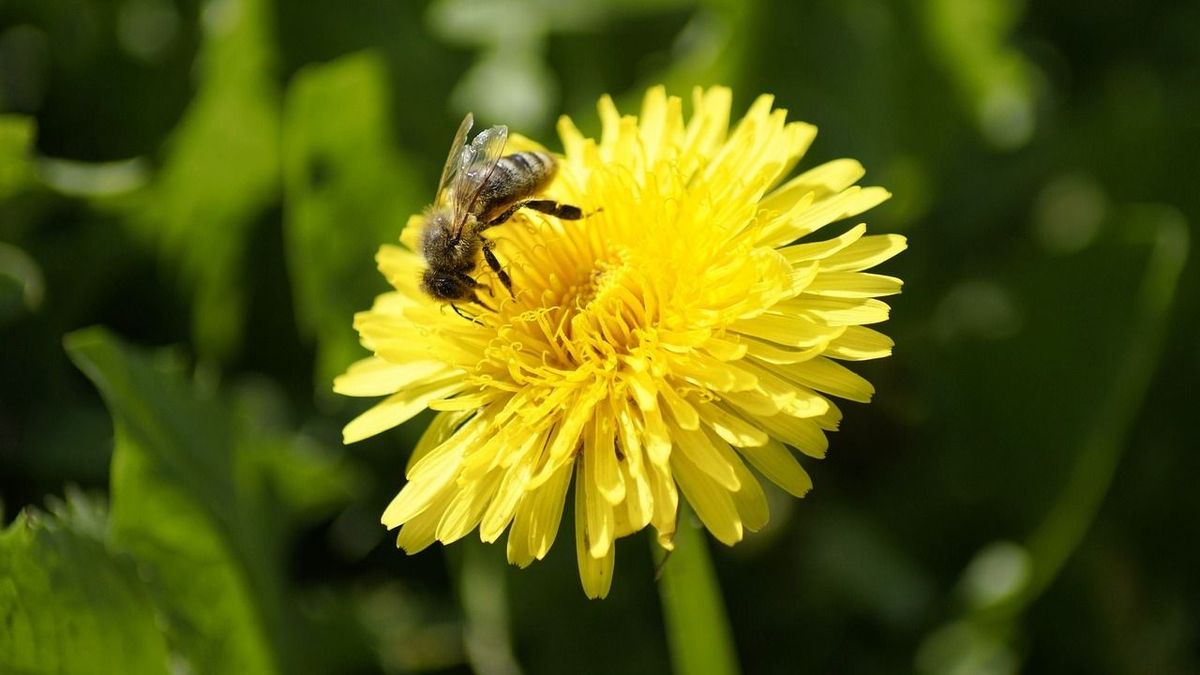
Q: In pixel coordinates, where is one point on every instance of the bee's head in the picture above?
(448, 287)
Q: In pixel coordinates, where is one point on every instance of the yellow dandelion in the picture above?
(688, 326)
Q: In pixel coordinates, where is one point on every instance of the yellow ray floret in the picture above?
(690, 327)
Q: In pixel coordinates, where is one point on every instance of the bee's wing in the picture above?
(454, 161)
(478, 161)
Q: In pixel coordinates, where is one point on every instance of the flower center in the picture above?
(579, 297)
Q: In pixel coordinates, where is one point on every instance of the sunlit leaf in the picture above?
(68, 604)
(16, 146)
(204, 496)
(183, 505)
(22, 283)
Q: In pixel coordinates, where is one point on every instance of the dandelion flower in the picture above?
(688, 329)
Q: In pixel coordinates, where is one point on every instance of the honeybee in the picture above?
(480, 187)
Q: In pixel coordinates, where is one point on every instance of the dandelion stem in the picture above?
(697, 627)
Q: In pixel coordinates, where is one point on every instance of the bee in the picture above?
(480, 188)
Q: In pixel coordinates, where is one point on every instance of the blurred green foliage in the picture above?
(214, 177)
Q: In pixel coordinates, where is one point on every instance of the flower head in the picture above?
(653, 349)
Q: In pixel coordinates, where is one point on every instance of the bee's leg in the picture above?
(490, 257)
(556, 209)
(547, 206)
(465, 316)
(470, 281)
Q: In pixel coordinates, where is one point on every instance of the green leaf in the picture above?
(22, 283)
(697, 628)
(997, 82)
(16, 148)
(186, 505)
(222, 169)
(346, 193)
(67, 604)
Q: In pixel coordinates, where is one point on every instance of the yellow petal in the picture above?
(373, 376)
(439, 430)
(517, 548)
(801, 277)
(859, 343)
(600, 454)
(681, 411)
(818, 250)
(639, 498)
(639, 501)
(769, 353)
(853, 285)
(456, 444)
(500, 512)
(836, 311)
(418, 533)
(791, 399)
(708, 125)
(567, 436)
(725, 350)
(600, 524)
(656, 437)
(705, 455)
(780, 466)
(803, 434)
(802, 220)
(711, 502)
(629, 429)
(397, 409)
(666, 505)
(708, 372)
(830, 377)
(466, 508)
(643, 389)
(755, 403)
(798, 138)
(749, 500)
(792, 331)
(463, 401)
(653, 121)
(572, 139)
(440, 469)
(865, 253)
(733, 428)
(546, 511)
(595, 573)
(397, 263)
(821, 181)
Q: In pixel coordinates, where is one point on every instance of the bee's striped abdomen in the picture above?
(515, 177)
(525, 172)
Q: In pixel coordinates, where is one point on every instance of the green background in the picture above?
(191, 195)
